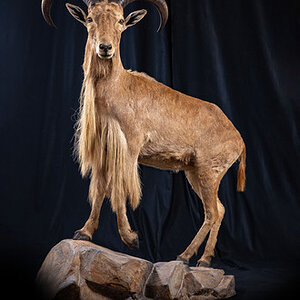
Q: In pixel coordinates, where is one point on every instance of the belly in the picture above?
(167, 159)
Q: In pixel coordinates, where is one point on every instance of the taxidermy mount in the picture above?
(128, 118)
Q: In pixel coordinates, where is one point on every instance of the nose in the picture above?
(105, 47)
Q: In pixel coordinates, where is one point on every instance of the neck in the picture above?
(105, 72)
(97, 69)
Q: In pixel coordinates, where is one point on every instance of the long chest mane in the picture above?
(102, 149)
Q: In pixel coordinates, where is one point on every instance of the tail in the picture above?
(241, 177)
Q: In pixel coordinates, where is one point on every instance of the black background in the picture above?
(243, 55)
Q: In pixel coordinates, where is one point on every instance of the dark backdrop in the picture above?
(242, 55)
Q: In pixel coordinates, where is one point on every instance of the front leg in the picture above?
(128, 236)
(96, 197)
(127, 183)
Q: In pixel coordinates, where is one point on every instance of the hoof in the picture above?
(183, 260)
(80, 236)
(135, 245)
(202, 264)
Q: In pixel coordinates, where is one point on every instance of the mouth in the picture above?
(105, 55)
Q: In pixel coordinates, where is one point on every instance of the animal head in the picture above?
(105, 21)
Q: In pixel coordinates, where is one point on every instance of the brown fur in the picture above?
(100, 142)
(128, 117)
(241, 179)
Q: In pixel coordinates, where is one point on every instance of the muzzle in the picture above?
(105, 51)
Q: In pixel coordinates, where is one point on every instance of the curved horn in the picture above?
(46, 9)
(161, 6)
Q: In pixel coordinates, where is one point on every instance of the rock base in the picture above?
(81, 270)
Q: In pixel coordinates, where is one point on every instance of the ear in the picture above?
(77, 13)
(135, 17)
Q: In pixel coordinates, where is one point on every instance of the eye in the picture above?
(122, 21)
(89, 20)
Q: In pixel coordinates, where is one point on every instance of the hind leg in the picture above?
(220, 166)
(206, 186)
(96, 196)
(208, 254)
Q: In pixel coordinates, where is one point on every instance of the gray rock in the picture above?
(87, 271)
(203, 283)
(166, 280)
(226, 287)
(81, 270)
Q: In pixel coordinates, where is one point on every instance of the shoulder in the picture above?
(141, 76)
